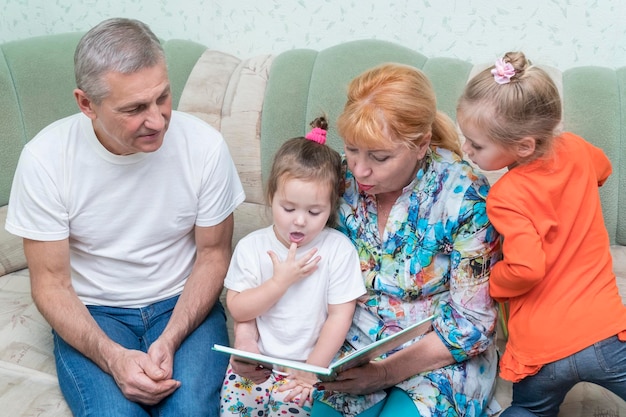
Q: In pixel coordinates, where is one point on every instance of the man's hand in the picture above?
(140, 378)
(162, 356)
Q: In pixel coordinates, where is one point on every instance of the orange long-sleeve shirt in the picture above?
(557, 271)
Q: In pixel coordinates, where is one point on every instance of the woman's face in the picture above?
(384, 170)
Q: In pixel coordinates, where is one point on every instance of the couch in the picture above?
(256, 103)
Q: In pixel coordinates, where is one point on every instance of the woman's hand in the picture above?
(365, 379)
(426, 354)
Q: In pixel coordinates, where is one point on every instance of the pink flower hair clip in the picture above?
(503, 71)
(317, 134)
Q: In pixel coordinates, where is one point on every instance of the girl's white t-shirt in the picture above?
(292, 326)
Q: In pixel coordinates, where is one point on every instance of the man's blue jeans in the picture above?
(603, 363)
(91, 392)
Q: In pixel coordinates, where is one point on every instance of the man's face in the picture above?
(134, 116)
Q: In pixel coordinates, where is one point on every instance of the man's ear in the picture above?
(84, 103)
(526, 147)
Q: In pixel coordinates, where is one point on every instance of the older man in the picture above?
(126, 213)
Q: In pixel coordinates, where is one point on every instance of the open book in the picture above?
(351, 360)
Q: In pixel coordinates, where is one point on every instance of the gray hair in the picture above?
(118, 44)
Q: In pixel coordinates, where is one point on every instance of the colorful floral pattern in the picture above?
(433, 257)
(243, 398)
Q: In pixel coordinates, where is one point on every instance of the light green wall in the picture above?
(561, 33)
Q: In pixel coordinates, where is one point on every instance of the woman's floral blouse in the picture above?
(433, 257)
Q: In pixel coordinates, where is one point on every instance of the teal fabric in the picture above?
(397, 403)
(591, 109)
(321, 409)
(37, 83)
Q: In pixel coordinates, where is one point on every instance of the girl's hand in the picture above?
(292, 270)
(254, 373)
(300, 384)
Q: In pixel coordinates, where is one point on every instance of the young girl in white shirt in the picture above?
(294, 283)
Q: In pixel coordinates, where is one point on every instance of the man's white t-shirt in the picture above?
(129, 219)
(292, 326)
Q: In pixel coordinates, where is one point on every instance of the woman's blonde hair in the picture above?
(304, 159)
(394, 103)
(529, 105)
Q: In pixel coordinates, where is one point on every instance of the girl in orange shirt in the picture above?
(567, 322)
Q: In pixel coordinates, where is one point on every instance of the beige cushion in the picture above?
(25, 336)
(28, 382)
(234, 108)
(11, 248)
(25, 393)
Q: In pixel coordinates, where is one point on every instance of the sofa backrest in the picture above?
(37, 83)
(304, 83)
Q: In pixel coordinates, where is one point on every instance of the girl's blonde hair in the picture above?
(529, 105)
(304, 159)
(394, 103)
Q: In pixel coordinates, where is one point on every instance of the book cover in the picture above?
(351, 360)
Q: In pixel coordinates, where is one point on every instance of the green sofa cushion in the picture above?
(12, 135)
(619, 161)
(591, 109)
(41, 78)
(305, 83)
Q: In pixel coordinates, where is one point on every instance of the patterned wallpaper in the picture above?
(561, 33)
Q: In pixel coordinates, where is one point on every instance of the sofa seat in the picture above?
(28, 383)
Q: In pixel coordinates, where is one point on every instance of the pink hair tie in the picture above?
(503, 71)
(317, 134)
